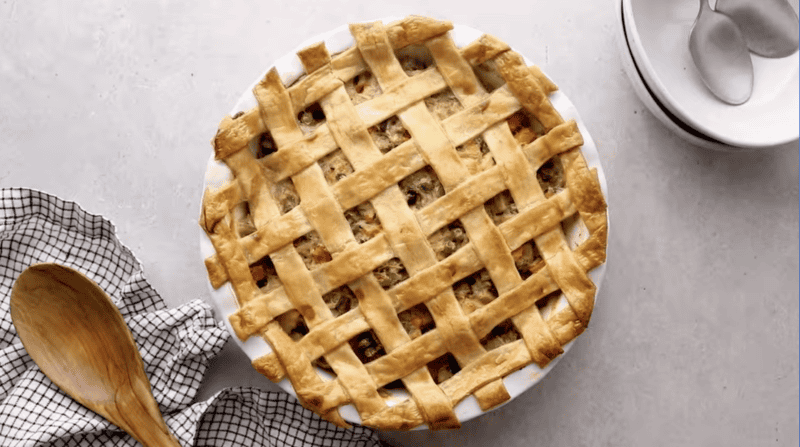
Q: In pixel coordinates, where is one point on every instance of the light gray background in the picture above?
(694, 340)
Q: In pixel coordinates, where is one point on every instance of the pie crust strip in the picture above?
(374, 179)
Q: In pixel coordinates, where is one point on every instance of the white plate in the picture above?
(659, 37)
(224, 299)
(645, 93)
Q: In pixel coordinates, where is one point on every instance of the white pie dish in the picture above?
(658, 33)
(290, 69)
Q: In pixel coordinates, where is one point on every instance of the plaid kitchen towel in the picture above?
(176, 346)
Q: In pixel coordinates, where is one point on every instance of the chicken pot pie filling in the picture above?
(398, 220)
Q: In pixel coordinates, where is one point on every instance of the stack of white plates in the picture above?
(654, 45)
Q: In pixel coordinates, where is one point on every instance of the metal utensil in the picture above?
(78, 338)
(770, 27)
(720, 53)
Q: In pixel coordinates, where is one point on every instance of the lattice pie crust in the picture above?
(396, 218)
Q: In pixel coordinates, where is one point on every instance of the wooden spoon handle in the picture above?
(77, 336)
(137, 413)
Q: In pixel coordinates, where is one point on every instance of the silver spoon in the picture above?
(720, 53)
(770, 27)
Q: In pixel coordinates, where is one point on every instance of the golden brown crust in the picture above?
(415, 29)
(470, 144)
(526, 87)
(485, 48)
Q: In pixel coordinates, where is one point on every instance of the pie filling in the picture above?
(495, 214)
(420, 189)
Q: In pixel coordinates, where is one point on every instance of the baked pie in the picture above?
(397, 223)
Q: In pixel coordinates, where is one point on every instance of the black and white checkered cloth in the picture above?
(176, 346)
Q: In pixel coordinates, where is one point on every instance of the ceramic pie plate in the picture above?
(217, 173)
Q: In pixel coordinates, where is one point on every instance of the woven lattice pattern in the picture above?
(285, 146)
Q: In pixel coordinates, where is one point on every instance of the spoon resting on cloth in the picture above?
(77, 337)
(720, 53)
(770, 27)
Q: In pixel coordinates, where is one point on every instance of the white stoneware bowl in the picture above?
(650, 101)
(657, 34)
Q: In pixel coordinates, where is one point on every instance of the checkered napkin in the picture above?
(176, 346)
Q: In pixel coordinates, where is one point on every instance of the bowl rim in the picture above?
(668, 101)
(648, 98)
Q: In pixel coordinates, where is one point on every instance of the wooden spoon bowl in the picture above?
(77, 337)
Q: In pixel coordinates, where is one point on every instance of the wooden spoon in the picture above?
(78, 338)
